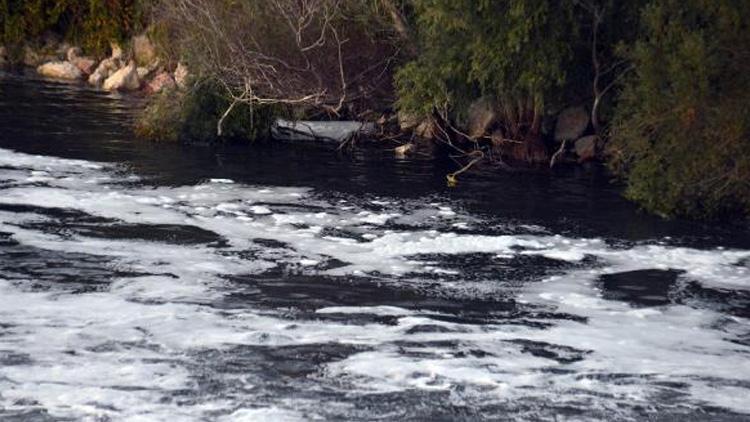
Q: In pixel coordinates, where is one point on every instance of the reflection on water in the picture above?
(281, 282)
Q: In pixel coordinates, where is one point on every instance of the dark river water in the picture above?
(279, 282)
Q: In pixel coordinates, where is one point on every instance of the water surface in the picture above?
(286, 282)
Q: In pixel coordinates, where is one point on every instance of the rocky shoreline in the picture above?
(137, 68)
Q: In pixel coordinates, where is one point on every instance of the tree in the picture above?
(512, 52)
(682, 126)
(606, 26)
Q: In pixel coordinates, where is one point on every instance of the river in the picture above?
(282, 282)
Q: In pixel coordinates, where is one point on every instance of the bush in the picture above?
(329, 55)
(93, 24)
(513, 52)
(681, 135)
(192, 116)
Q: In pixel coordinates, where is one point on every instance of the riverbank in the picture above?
(529, 86)
(77, 121)
(169, 88)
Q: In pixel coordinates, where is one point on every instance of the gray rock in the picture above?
(403, 150)
(143, 72)
(571, 124)
(97, 78)
(103, 71)
(181, 75)
(586, 147)
(162, 81)
(86, 65)
(426, 130)
(125, 79)
(407, 121)
(72, 54)
(117, 53)
(59, 70)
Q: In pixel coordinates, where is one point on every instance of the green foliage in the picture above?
(162, 119)
(92, 24)
(193, 116)
(681, 139)
(510, 50)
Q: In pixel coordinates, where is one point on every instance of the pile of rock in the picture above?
(571, 126)
(571, 138)
(139, 69)
(423, 128)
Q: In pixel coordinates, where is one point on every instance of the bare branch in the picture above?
(310, 53)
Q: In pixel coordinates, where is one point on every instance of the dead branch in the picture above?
(557, 154)
(452, 177)
(307, 53)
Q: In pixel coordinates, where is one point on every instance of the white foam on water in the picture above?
(370, 310)
(123, 350)
(266, 414)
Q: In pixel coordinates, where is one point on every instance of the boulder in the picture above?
(154, 66)
(426, 130)
(403, 150)
(143, 72)
(85, 64)
(571, 124)
(125, 79)
(181, 75)
(407, 121)
(586, 147)
(59, 70)
(422, 127)
(72, 54)
(482, 116)
(103, 71)
(144, 51)
(97, 78)
(116, 51)
(162, 81)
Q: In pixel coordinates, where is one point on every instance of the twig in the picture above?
(452, 176)
(553, 161)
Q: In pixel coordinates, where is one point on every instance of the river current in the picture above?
(291, 282)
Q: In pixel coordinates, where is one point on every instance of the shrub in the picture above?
(93, 24)
(328, 55)
(511, 51)
(192, 116)
(681, 135)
